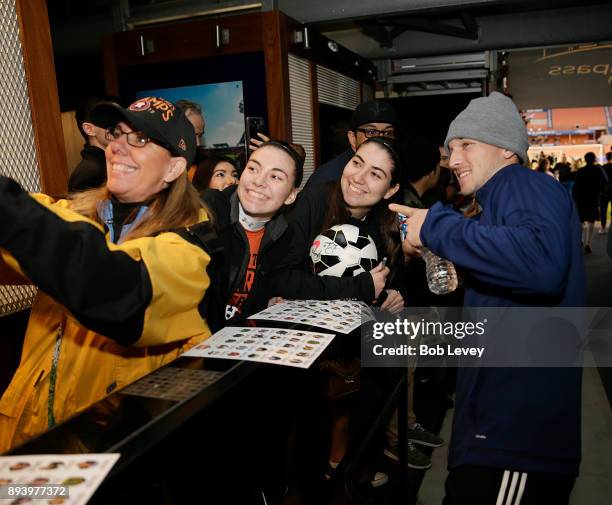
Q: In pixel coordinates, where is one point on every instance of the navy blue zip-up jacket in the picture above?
(522, 250)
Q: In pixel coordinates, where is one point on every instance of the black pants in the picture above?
(479, 485)
(604, 200)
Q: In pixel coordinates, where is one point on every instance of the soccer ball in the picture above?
(342, 251)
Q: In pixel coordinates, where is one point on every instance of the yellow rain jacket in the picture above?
(105, 314)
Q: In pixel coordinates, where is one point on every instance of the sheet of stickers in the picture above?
(82, 473)
(172, 383)
(266, 345)
(341, 316)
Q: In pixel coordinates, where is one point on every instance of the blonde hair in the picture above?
(177, 206)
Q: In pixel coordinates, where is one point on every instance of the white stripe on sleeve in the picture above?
(502, 488)
(521, 489)
(515, 476)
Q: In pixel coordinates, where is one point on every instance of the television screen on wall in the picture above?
(222, 105)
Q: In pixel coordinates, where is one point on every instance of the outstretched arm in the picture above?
(130, 293)
(529, 253)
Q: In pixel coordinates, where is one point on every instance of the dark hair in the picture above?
(393, 151)
(590, 157)
(298, 148)
(206, 167)
(82, 114)
(609, 156)
(421, 156)
(543, 165)
(295, 156)
(338, 213)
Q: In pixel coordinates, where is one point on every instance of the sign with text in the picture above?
(561, 77)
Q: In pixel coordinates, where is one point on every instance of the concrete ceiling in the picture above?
(384, 31)
(374, 29)
(399, 28)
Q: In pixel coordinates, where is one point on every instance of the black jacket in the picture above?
(607, 168)
(231, 267)
(589, 182)
(331, 170)
(292, 277)
(90, 173)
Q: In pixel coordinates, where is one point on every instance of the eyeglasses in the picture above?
(373, 132)
(135, 139)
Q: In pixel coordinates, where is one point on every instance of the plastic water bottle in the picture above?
(441, 273)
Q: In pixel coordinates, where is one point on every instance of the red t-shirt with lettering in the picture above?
(236, 302)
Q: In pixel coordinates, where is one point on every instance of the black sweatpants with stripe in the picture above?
(478, 485)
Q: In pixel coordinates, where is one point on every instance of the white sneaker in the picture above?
(379, 479)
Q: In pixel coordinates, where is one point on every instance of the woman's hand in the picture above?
(255, 143)
(379, 276)
(394, 302)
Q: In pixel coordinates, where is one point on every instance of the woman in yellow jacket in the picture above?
(120, 271)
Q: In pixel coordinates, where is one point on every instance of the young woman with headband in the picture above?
(251, 225)
(368, 183)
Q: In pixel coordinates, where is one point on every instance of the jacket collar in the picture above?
(108, 213)
(498, 178)
(275, 227)
(411, 197)
(234, 211)
(90, 151)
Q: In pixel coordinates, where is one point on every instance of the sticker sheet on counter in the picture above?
(341, 316)
(266, 345)
(38, 479)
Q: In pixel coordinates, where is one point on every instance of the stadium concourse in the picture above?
(572, 131)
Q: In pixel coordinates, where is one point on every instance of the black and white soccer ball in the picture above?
(343, 251)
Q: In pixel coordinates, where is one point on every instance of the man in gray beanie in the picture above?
(516, 431)
(494, 127)
(493, 120)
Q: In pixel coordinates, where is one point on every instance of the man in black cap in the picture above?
(374, 118)
(90, 172)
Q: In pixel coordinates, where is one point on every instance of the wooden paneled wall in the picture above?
(268, 32)
(73, 140)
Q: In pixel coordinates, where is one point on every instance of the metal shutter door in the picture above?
(300, 95)
(18, 154)
(337, 89)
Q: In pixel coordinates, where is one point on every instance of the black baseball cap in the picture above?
(157, 118)
(373, 111)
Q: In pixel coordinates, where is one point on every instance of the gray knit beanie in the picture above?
(494, 120)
